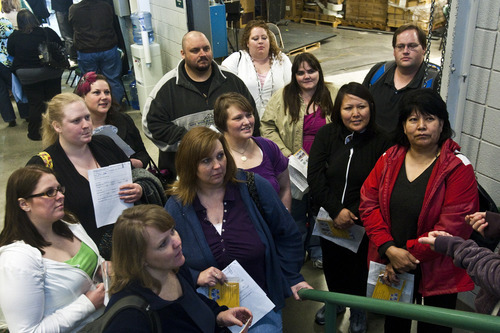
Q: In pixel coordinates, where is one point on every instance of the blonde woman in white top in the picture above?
(260, 63)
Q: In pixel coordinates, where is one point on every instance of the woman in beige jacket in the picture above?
(292, 118)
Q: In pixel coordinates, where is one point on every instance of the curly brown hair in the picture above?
(274, 50)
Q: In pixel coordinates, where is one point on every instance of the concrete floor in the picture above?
(344, 58)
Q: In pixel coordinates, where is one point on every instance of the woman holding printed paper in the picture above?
(342, 155)
(292, 118)
(71, 152)
(421, 184)
(148, 261)
(104, 110)
(48, 263)
(223, 215)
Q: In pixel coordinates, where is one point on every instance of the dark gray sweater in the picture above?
(481, 264)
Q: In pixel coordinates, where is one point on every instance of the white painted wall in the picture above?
(169, 25)
(479, 134)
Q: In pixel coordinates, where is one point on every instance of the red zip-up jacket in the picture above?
(451, 194)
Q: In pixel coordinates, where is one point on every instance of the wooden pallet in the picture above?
(333, 24)
(364, 25)
(306, 48)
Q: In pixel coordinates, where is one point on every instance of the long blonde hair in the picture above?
(55, 112)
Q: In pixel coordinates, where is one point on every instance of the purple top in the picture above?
(239, 239)
(273, 162)
(312, 123)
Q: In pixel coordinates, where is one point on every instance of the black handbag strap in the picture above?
(252, 190)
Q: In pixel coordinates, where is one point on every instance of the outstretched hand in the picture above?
(431, 238)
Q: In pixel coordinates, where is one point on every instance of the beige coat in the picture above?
(277, 126)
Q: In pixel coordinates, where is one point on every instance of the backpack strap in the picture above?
(380, 71)
(47, 160)
(433, 71)
(128, 302)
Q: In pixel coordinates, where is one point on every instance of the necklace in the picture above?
(261, 88)
(243, 157)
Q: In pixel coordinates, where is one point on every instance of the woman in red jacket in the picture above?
(421, 184)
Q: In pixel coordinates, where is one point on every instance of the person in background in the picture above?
(185, 97)
(39, 83)
(6, 77)
(390, 81)
(61, 7)
(72, 151)
(292, 118)
(104, 110)
(482, 265)
(260, 63)
(421, 184)
(39, 9)
(10, 8)
(96, 42)
(48, 263)
(223, 215)
(148, 261)
(342, 155)
(233, 116)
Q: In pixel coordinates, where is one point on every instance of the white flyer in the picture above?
(349, 238)
(297, 168)
(104, 186)
(251, 294)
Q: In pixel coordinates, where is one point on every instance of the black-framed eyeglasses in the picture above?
(411, 46)
(50, 193)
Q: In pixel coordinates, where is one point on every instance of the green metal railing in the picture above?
(452, 318)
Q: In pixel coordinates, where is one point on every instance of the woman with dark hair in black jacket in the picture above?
(342, 155)
(40, 83)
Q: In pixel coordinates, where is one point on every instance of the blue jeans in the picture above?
(305, 222)
(270, 323)
(107, 63)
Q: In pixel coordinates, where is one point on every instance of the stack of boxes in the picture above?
(248, 12)
(311, 11)
(366, 11)
(320, 10)
(293, 10)
(401, 12)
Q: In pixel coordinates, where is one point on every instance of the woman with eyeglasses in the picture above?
(72, 151)
(48, 263)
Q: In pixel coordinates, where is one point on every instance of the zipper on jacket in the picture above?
(351, 151)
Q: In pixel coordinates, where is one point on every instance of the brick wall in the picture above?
(169, 25)
(480, 137)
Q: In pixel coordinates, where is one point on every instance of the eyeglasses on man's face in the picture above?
(411, 46)
(50, 193)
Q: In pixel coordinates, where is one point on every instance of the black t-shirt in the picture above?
(406, 203)
(203, 87)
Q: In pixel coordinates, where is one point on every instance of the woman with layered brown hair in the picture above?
(223, 215)
(148, 261)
